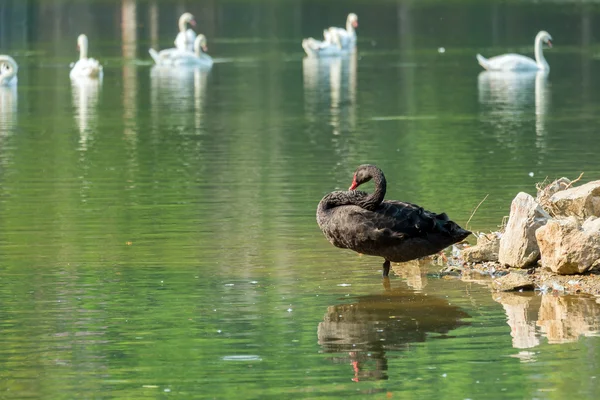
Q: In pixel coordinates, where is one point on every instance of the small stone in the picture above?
(486, 249)
(513, 282)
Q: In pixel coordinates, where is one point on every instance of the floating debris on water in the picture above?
(344, 284)
(250, 357)
(404, 118)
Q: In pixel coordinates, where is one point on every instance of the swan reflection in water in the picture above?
(373, 325)
(511, 100)
(330, 88)
(330, 101)
(179, 90)
(85, 93)
(560, 319)
(8, 108)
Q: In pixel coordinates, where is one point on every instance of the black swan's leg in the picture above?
(386, 268)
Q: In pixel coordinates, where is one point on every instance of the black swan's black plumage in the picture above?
(394, 230)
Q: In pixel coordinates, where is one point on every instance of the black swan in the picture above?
(394, 230)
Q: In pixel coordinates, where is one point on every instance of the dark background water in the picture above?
(157, 230)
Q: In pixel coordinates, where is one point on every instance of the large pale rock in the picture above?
(518, 245)
(486, 249)
(581, 201)
(569, 247)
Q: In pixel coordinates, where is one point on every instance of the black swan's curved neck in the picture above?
(357, 197)
(373, 200)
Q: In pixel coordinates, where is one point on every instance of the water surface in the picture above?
(158, 233)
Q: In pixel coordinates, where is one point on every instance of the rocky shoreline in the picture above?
(505, 279)
(550, 243)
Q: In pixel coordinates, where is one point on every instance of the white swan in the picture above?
(176, 57)
(85, 67)
(337, 41)
(331, 46)
(8, 71)
(185, 38)
(346, 36)
(517, 62)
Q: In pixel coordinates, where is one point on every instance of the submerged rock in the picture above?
(486, 249)
(581, 201)
(518, 245)
(513, 282)
(569, 247)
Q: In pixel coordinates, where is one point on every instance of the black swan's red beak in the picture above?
(354, 184)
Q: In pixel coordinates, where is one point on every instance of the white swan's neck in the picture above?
(14, 68)
(199, 44)
(83, 49)
(349, 26)
(182, 23)
(539, 54)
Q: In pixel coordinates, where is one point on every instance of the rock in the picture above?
(486, 249)
(544, 194)
(581, 201)
(518, 245)
(569, 247)
(512, 282)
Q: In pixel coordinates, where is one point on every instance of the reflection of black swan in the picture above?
(394, 230)
(373, 325)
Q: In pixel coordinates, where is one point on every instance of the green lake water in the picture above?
(157, 229)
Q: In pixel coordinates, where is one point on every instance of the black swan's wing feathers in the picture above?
(406, 218)
(396, 220)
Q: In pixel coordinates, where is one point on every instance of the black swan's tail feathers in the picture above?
(451, 228)
(460, 234)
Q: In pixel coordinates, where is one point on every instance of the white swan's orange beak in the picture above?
(549, 42)
(193, 22)
(205, 48)
(354, 184)
(355, 24)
